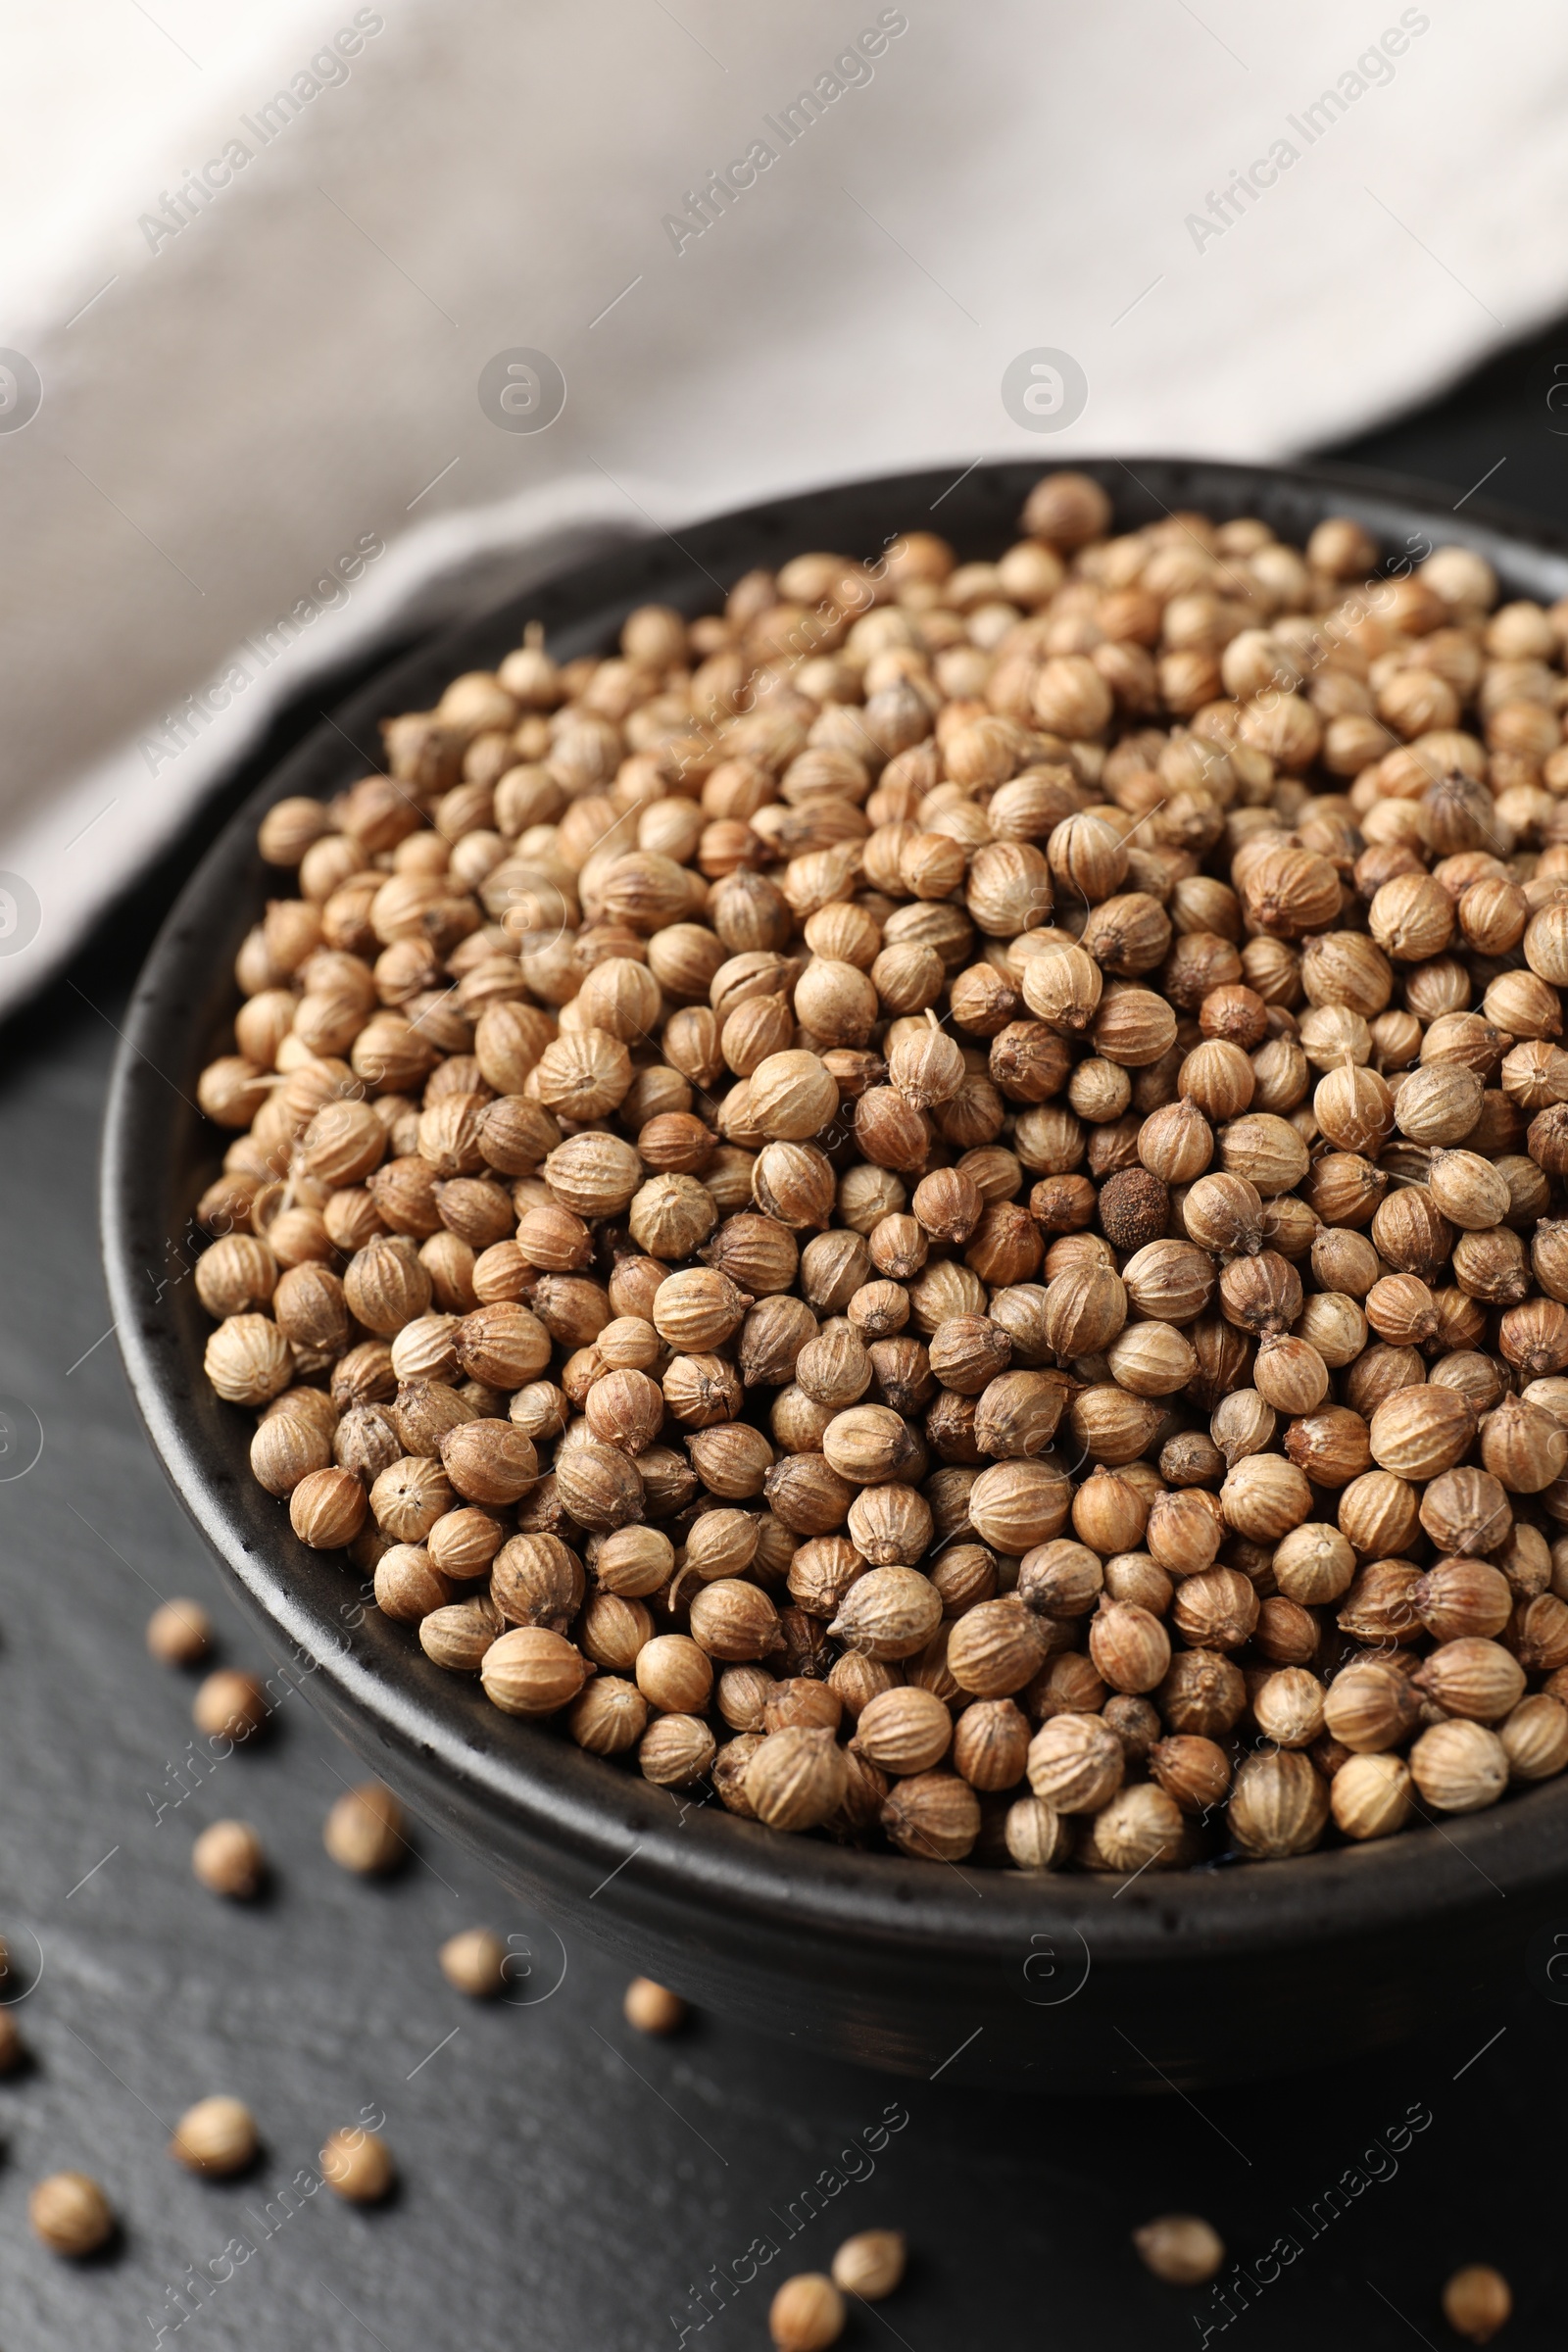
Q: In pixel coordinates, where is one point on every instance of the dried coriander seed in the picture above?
(366, 1830)
(796, 1779)
(1181, 2248)
(217, 2137)
(179, 1632)
(1477, 2302)
(227, 1859)
(71, 2214)
(1459, 1767)
(357, 2166)
(806, 2314)
(934, 1816)
(1279, 1804)
(229, 1705)
(871, 2264)
(1370, 1796)
(474, 1961)
(652, 2008)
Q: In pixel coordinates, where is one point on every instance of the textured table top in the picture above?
(567, 2185)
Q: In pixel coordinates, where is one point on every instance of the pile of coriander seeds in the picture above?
(928, 1202)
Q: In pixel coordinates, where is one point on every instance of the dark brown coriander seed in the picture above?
(1134, 1207)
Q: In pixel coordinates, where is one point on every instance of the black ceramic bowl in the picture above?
(1058, 1984)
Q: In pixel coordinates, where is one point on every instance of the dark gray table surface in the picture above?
(565, 2183)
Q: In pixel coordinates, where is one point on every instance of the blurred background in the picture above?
(320, 324)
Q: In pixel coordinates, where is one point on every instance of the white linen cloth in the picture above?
(259, 258)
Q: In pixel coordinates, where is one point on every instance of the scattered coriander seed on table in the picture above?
(71, 2214)
(871, 2264)
(179, 1632)
(357, 2165)
(956, 1233)
(217, 2137)
(1476, 2302)
(227, 1859)
(806, 2314)
(366, 1830)
(474, 1961)
(652, 2008)
(230, 1705)
(1181, 2248)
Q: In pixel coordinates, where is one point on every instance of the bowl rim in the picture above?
(593, 1819)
